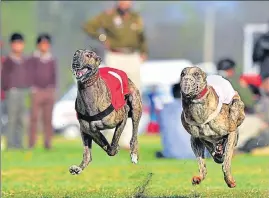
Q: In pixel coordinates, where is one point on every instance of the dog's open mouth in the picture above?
(81, 73)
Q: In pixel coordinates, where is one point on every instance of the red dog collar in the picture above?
(202, 93)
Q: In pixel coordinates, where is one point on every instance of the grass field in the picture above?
(42, 173)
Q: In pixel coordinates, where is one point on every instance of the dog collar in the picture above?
(210, 117)
(91, 80)
(202, 93)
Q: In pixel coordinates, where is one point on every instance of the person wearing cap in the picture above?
(257, 141)
(43, 84)
(226, 68)
(260, 54)
(121, 31)
(14, 82)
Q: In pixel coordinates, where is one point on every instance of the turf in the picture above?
(41, 173)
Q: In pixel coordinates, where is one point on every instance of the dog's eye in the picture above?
(183, 73)
(196, 74)
(90, 54)
(98, 59)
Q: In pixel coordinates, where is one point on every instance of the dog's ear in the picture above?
(204, 75)
(98, 61)
(92, 61)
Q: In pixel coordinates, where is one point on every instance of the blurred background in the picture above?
(178, 27)
(178, 34)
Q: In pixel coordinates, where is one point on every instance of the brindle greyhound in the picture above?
(217, 130)
(94, 100)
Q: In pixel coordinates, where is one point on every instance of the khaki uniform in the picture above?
(126, 40)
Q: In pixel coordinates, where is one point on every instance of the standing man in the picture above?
(122, 33)
(261, 53)
(43, 76)
(14, 81)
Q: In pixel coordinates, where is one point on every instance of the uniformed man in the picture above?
(122, 33)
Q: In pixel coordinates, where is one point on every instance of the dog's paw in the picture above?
(231, 183)
(113, 151)
(134, 158)
(75, 170)
(196, 180)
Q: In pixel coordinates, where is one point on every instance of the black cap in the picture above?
(225, 64)
(16, 37)
(42, 37)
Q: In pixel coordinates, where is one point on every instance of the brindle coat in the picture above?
(93, 98)
(219, 135)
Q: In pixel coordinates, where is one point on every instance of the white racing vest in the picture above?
(223, 88)
(224, 91)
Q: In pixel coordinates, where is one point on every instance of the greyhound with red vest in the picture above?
(106, 97)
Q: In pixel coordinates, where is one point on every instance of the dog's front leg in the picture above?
(101, 140)
(87, 157)
(228, 154)
(199, 151)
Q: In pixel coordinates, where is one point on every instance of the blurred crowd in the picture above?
(121, 31)
(35, 75)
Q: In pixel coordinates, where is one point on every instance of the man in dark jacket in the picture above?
(14, 80)
(43, 76)
(261, 53)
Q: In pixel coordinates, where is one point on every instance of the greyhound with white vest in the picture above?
(212, 113)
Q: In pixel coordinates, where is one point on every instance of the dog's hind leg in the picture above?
(199, 151)
(87, 156)
(116, 137)
(228, 154)
(135, 103)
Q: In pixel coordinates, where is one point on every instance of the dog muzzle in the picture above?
(187, 85)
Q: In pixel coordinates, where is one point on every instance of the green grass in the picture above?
(42, 173)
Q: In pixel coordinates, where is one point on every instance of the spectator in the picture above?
(153, 126)
(121, 31)
(259, 139)
(261, 54)
(226, 68)
(43, 75)
(253, 81)
(175, 140)
(14, 80)
(3, 101)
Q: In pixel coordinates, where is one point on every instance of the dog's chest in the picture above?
(201, 125)
(206, 130)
